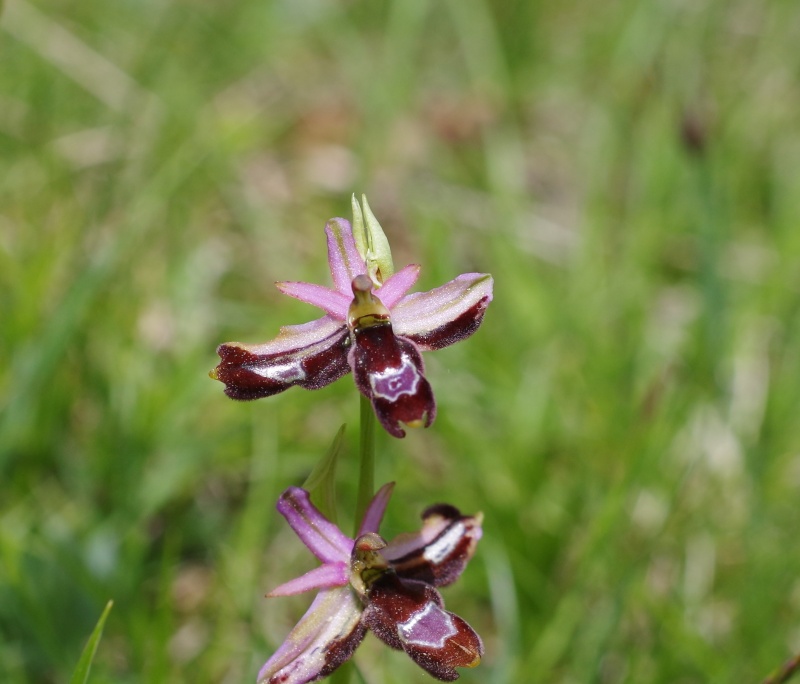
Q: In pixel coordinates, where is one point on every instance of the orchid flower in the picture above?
(365, 583)
(371, 326)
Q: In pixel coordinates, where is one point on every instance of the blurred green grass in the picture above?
(626, 418)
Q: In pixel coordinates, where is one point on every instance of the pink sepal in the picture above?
(325, 576)
(334, 303)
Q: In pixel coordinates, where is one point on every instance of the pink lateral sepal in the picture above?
(326, 576)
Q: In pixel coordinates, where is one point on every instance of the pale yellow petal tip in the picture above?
(415, 423)
(213, 374)
(475, 662)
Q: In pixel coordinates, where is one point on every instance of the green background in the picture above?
(626, 418)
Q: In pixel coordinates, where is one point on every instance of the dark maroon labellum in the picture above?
(410, 615)
(389, 371)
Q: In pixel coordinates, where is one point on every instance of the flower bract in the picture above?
(368, 584)
(370, 327)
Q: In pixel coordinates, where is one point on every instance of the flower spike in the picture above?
(368, 583)
(372, 327)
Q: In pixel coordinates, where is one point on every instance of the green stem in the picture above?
(785, 673)
(346, 674)
(366, 471)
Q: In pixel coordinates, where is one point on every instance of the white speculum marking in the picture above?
(394, 382)
(431, 626)
(286, 372)
(444, 545)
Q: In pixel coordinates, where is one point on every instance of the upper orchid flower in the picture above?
(371, 327)
(366, 583)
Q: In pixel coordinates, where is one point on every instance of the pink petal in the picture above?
(331, 301)
(326, 541)
(343, 258)
(376, 509)
(325, 576)
(393, 290)
(326, 636)
(312, 355)
(445, 315)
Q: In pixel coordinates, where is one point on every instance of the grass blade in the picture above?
(81, 673)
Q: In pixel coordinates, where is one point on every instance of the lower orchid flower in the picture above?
(369, 584)
(371, 327)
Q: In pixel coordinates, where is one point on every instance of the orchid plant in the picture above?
(371, 327)
(367, 583)
(375, 329)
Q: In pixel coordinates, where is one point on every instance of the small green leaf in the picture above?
(359, 234)
(371, 242)
(81, 673)
(379, 255)
(321, 483)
